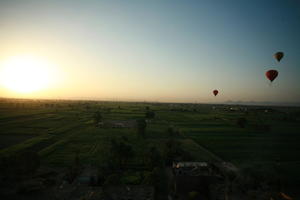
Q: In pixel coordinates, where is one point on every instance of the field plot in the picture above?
(59, 130)
(252, 147)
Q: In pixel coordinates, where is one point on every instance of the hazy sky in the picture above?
(164, 50)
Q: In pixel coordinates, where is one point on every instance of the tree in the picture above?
(141, 126)
(172, 150)
(172, 132)
(150, 114)
(97, 117)
(17, 165)
(121, 152)
(29, 161)
(193, 195)
(92, 181)
(157, 178)
(241, 122)
(154, 158)
(113, 180)
(74, 169)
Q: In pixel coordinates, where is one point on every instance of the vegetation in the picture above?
(97, 117)
(150, 114)
(62, 134)
(141, 126)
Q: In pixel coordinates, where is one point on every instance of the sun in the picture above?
(25, 74)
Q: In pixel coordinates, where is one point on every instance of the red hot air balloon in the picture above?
(272, 74)
(278, 56)
(215, 92)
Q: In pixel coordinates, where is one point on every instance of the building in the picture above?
(191, 168)
(199, 177)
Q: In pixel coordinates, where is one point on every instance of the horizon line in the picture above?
(228, 102)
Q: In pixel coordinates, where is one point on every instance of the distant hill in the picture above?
(265, 103)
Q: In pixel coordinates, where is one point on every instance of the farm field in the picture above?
(268, 142)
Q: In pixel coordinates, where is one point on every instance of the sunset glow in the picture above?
(25, 74)
(161, 51)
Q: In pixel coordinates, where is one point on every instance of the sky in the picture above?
(164, 50)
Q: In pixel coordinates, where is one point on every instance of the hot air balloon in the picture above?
(215, 92)
(272, 74)
(278, 56)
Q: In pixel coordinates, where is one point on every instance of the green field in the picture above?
(59, 129)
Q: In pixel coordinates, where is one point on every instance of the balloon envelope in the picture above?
(215, 92)
(272, 74)
(278, 56)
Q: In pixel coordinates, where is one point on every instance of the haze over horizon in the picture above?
(165, 51)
